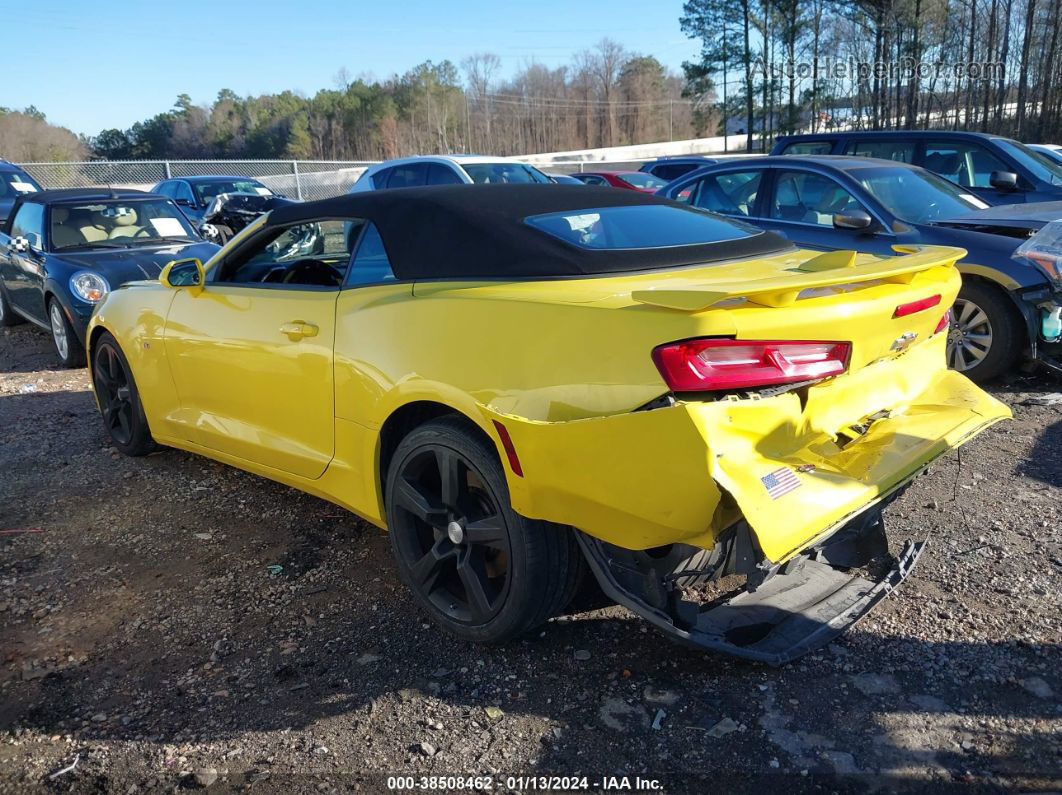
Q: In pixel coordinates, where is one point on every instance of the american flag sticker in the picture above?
(781, 481)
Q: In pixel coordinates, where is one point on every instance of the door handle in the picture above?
(297, 330)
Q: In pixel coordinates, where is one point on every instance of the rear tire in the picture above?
(123, 413)
(985, 337)
(483, 572)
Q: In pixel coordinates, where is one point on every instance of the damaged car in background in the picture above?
(227, 214)
(524, 383)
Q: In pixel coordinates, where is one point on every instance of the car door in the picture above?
(800, 204)
(25, 270)
(970, 165)
(251, 351)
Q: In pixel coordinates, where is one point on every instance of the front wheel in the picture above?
(482, 571)
(123, 413)
(67, 346)
(7, 314)
(985, 335)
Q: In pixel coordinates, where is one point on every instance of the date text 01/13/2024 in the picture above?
(524, 783)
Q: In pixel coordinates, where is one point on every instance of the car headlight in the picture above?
(1044, 251)
(90, 287)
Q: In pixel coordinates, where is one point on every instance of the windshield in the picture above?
(13, 184)
(1040, 165)
(639, 226)
(640, 179)
(496, 173)
(208, 190)
(916, 196)
(118, 223)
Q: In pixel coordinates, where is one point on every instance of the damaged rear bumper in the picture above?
(803, 606)
(795, 466)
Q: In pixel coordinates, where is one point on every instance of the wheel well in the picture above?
(411, 416)
(97, 332)
(1009, 300)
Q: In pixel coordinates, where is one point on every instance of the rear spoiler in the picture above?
(782, 288)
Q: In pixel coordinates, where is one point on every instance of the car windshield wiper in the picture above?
(93, 244)
(176, 239)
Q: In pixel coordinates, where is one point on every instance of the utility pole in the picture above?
(468, 128)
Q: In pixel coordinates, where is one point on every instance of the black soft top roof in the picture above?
(478, 231)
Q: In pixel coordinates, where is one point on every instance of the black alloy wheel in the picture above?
(483, 571)
(123, 415)
(453, 535)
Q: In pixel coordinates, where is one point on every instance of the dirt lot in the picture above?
(176, 621)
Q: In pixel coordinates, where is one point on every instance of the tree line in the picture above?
(27, 136)
(765, 67)
(984, 65)
(607, 96)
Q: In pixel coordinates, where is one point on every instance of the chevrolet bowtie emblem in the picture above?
(903, 342)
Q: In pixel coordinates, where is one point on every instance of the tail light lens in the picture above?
(903, 310)
(943, 324)
(702, 365)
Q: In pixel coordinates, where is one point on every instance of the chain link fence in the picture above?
(301, 179)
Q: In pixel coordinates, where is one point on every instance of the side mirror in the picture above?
(183, 273)
(182, 202)
(855, 220)
(20, 244)
(35, 242)
(1003, 180)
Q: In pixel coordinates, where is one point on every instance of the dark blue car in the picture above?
(996, 169)
(1008, 305)
(14, 182)
(62, 251)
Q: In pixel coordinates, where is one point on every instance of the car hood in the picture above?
(125, 265)
(1022, 216)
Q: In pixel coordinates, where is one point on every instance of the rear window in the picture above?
(641, 226)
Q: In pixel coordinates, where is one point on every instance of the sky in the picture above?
(90, 66)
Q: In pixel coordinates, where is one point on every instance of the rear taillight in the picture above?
(943, 324)
(719, 364)
(903, 310)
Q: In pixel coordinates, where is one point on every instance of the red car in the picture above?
(631, 180)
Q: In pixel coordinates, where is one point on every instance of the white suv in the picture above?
(410, 172)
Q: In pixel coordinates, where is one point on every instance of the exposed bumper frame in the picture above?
(801, 607)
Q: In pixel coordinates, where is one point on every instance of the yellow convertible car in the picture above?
(524, 383)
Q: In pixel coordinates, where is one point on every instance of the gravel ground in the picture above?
(171, 622)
